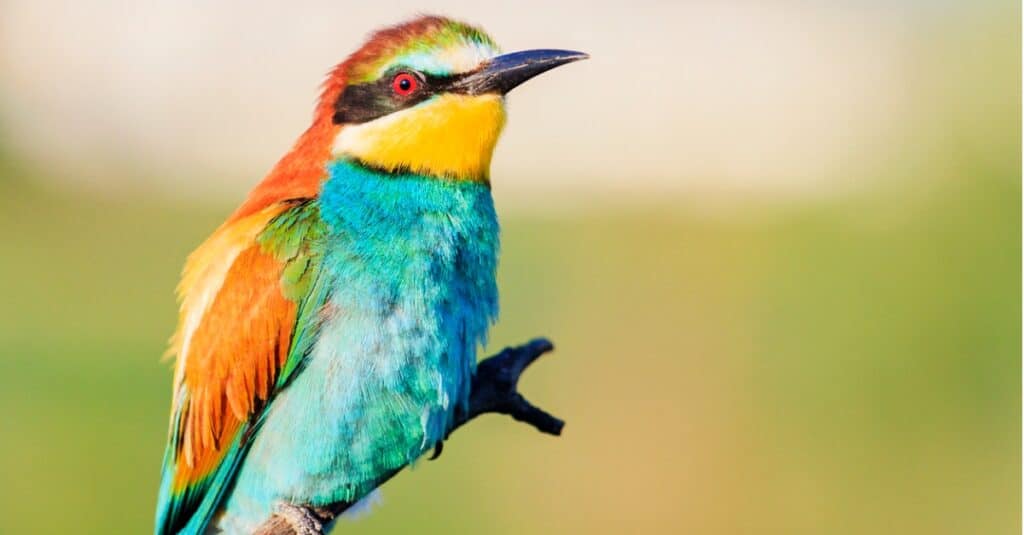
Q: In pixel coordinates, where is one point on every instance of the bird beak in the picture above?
(503, 73)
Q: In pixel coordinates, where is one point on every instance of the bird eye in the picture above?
(404, 84)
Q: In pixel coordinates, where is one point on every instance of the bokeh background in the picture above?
(777, 243)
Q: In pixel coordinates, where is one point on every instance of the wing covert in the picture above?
(243, 349)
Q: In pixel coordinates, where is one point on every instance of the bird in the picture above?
(329, 328)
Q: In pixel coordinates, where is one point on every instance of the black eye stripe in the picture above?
(364, 102)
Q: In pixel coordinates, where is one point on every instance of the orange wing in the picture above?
(233, 361)
(234, 338)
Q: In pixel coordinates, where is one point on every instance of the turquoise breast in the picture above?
(411, 265)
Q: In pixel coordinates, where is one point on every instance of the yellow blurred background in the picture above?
(776, 243)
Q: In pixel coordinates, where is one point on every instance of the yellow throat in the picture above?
(451, 136)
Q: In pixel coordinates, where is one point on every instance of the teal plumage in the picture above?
(329, 329)
(296, 238)
(414, 287)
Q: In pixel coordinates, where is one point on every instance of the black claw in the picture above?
(438, 448)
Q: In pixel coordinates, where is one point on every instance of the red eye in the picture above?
(404, 84)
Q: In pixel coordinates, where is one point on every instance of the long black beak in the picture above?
(503, 73)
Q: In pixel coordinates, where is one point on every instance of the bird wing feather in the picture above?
(257, 283)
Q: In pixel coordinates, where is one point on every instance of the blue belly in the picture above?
(411, 265)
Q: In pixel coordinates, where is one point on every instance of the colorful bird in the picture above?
(329, 328)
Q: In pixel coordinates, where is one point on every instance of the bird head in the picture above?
(427, 97)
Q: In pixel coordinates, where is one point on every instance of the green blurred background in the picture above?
(768, 346)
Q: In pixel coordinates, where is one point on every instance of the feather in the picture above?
(238, 356)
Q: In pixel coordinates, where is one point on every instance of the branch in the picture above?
(494, 390)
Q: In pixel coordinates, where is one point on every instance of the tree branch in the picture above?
(494, 390)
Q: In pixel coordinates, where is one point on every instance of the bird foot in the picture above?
(300, 519)
(496, 388)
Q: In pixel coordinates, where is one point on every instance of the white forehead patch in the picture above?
(462, 56)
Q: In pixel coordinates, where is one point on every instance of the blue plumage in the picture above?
(410, 261)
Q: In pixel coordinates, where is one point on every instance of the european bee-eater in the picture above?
(329, 328)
